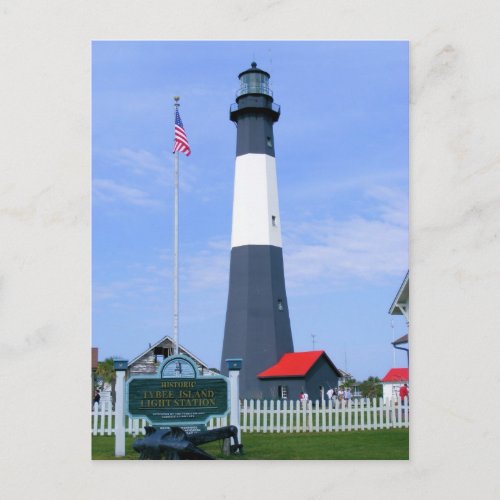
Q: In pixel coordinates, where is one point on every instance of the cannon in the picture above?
(173, 443)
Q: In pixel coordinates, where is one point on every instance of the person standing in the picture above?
(329, 394)
(97, 398)
(347, 395)
(341, 394)
(403, 393)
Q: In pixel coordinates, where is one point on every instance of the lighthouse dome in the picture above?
(254, 81)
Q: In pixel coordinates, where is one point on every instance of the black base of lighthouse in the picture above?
(257, 320)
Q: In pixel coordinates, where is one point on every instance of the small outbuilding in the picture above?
(312, 372)
(393, 380)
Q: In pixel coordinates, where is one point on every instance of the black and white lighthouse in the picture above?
(257, 321)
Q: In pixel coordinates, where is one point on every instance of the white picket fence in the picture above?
(287, 416)
(295, 416)
(103, 422)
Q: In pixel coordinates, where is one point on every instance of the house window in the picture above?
(283, 391)
(269, 142)
(273, 220)
(160, 353)
(280, 304)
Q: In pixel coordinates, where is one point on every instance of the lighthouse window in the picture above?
(255, 83)
(273, 220)
(280, 304)
(269, 142)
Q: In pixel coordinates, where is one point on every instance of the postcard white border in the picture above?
(45, 225)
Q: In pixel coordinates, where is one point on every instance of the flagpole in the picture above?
(176, 246)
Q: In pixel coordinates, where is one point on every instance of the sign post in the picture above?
(120, 369)
(234, 367)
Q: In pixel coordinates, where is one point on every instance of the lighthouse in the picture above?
(257, 327)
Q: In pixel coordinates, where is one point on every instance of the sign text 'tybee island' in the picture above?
(177, 395)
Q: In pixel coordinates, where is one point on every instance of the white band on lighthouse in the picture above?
(256, 219)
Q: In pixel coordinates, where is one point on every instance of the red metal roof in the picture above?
(396, 375)
(294, 364)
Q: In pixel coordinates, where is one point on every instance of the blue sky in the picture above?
(342, 163)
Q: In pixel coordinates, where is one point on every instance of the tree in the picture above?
(105, 374)
(349, 382)
(371, 388)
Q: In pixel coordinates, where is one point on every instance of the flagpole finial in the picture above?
(176, 99)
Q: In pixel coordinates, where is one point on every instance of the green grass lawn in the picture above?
(384, 444)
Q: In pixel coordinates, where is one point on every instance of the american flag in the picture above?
(180, 138)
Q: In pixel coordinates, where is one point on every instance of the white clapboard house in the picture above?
(148, 361)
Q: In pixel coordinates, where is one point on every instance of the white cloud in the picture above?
(208, 269)
(121, 293)
(113, 290)
(154, 170)
(392, 204)
(109, 191)
(318, 188)
(200, 271)
(330, 252)
(325, 253)
(140, 161)
(320, 254)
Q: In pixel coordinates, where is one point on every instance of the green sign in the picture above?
(177, 395)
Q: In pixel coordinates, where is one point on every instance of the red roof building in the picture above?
(392, 381)
(295, 364)
(311, 371)
(396, 375)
